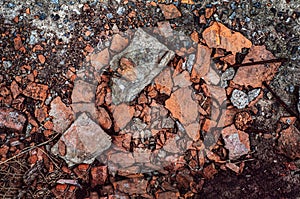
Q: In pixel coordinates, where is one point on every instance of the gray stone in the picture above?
(83, 142)
(239, 99)
(227, 75)
(148, 56)
(253, 94)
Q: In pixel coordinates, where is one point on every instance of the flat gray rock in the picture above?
(137, 66)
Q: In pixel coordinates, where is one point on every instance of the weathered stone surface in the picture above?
(101, 59)
(236, 141)
(62, 116)
(11, 119)
(239, 99)
(148, 56)
(219, 36)
(36, 91)
(104, 119)
(83, 92)
(254, 75)
(164, 82)
(202, 64)
(99, 175)
(182, 80)
(84, 141)
(170, 11)
(122, 115)
(193, 131)
(289, 142)
(182, 106)
(118, 43)
(132, 186)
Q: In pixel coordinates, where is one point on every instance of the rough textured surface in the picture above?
(146, 68)
(11, 119)
(84, 141)
(62, 116)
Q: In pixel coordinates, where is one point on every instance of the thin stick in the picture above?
(282, 103)
(261, 62)
(29, 149)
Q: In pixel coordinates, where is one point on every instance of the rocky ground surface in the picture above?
(149, 99)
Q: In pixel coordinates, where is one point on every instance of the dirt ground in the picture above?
(57, 80)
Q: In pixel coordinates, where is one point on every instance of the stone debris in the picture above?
(118, 43)
(149, 58)
(219, 36)
(289, 142)
(228, 74)
(236, 141)
(202, 64)
(62, 116)
(99, 175)
(36, 91)
(182, 80)
(137, 186)
(84, 140)
(122, 115)
(163, 82)
(182, 106)
(240, 99)
(254, 75)
(11, 119)
(83, 92)
(170, 11)
(100, 59)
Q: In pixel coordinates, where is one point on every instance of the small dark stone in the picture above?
(42, 16)
(273, 10)
(55, 17)
(257, 5)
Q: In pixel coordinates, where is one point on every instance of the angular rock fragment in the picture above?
(36, 91)
(101, 59)
(83, 92)
(122, 115)
(11, 119)
(254, 75)
(170, 11)
(118, 43)
(239, 99)
(148, 57)
(62, 116)
(236, 141)
(84, 141)
(289, 142)
(202, 64)
(227, 75)
(164, 82)
(182, 80)
(132, 186)
(219, 36)
(182, 106)
(99, 175)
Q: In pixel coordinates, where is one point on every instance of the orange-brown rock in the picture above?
(122, 115)
(103, 118)
(62, 116)
(182, 106)
(170, 11)
(99, 175)
(100, 59)
(36, 91)
(41, 58)
(182, 79)
(118, 43)
(202, 64)
(236, 141)
(219, 36)
(15, 89)
(289, 142)
(254, 75)
(164, 82)
(11, 119)
(83, 92)
(132, 186)
(193, 131)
